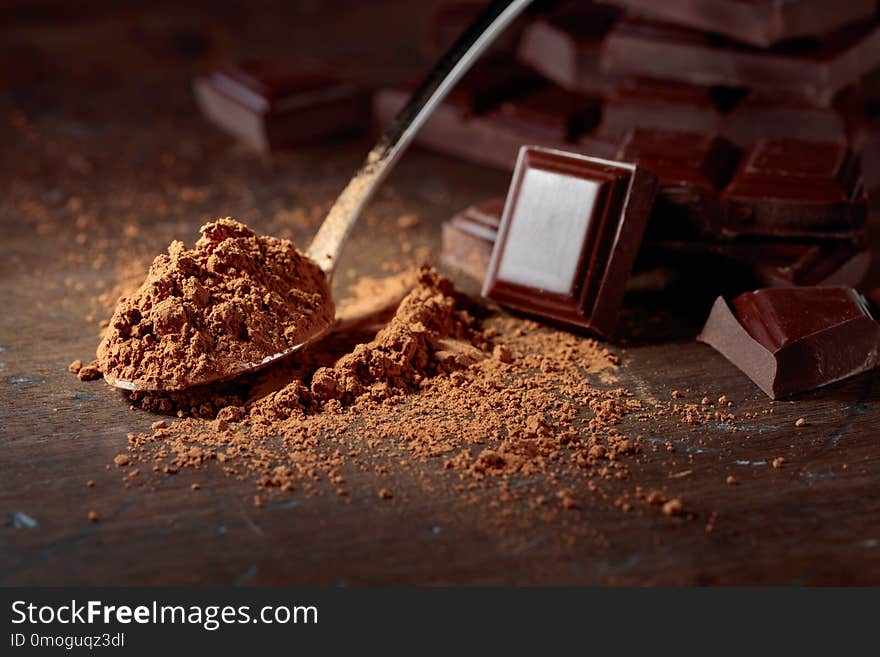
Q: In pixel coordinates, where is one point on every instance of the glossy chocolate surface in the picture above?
(789, 340)
(791, 188)
(570, 232)
(758, 22)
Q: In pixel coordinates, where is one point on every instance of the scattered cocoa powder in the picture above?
(672, 508)
(200, 314)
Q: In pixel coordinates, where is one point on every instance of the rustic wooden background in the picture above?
(105, 159)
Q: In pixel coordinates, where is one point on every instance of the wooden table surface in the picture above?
(105, 160)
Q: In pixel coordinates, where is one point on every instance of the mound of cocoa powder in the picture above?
(233, 299)
(436, 390)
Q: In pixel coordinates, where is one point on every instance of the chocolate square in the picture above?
(789, 340)
(569, 235)
(786, 187)
(272, 105)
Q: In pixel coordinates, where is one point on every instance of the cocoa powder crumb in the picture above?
(778, 462)
(731, 480)
(656, 497)
(89, 372)
(121, 460)
(672, 508)
(407, 221)
(93, 516)
(385, 494)
(800, 422)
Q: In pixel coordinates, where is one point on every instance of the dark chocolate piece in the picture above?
(771, 264)
(757, 22)
(565, 46)
(809, 69)
(275, 105)
(551, 113)
(469, 236)
(691, 169)
(793, 188)
(569, 236)
(789, 340)
(777, 116)
(482, 139)
(661, 104)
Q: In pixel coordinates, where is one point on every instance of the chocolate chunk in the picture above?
(771, 264)
(665, 105)
(488, 139)
(551, 113)
(469, 236)
(808, 68)
(565, 46)
(790, 264)
(794, 188)
(691, 169)
(789, 340)
(772, 115)
(757, 22)
(275, 105)
(569, 236)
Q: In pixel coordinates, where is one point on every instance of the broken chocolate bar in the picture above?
(275, 105)
(665, 105)
(791, 188)
(769, 263)
(809, 69)
(691, 169)
(772, 115)
(491, 139)
(569, 235)
(789, 340)
(552, 113)
(565, 46)
(757, 22)
(469, 236)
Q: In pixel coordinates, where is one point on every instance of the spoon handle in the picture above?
(327, 244)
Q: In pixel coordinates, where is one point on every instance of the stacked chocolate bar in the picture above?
(748, 127)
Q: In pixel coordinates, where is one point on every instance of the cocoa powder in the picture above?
(234, 299)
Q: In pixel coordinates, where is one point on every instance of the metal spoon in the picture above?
(330, 238)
